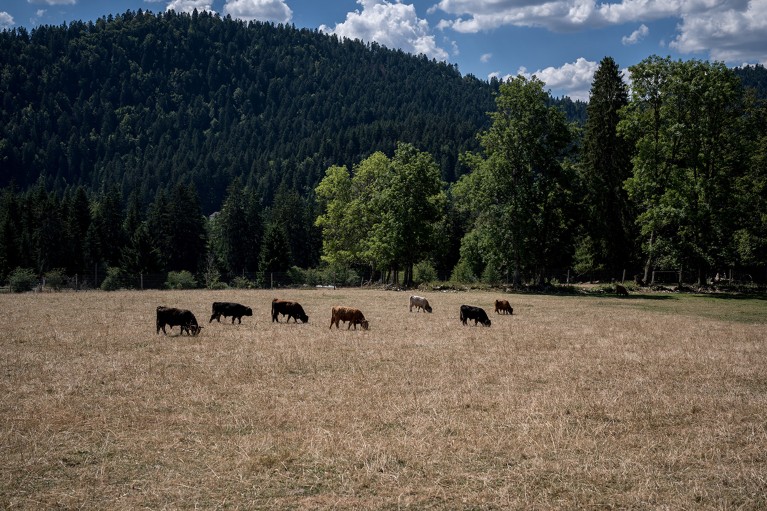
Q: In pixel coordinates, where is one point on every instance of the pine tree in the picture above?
(605, 165)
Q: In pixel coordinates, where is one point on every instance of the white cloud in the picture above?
(728, 34)
(6, 20)
(394, 25)
(485, 58)
(190, 5)
(260, 10)
(636, 36)
(730, 30)
(53, 2)
(572, 79)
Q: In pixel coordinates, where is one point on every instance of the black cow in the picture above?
(476, 313)
(227, 309)
(289, 309)
(177, 317)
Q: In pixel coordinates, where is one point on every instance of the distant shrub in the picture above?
(115, 279)
(424, 272)
(55, 279)
(462, 273)
(22, 279)
(180, 280)
(242, 283)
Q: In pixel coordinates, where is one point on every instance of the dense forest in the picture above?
(146, 101)
(147, 144)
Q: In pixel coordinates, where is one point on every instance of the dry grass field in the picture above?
(646, 402)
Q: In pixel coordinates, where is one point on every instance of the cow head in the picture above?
(304, 318)
(428, 308)
(364, 324)
(195, 329)
(486, 323)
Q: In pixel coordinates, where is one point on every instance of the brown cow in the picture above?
(620, 290)
(503, 306)
(348, 314)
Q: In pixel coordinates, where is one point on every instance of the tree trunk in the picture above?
(648, 264)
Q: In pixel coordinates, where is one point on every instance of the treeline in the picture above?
(673, 175)
(166, 143)
(101, 237)
(144, 102)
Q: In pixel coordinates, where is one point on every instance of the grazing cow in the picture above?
(503, 306)
(620, 290)
(177, 317)
(289, 309)
(420, 303)
(478, 314)
(227, 309)
(353, 316)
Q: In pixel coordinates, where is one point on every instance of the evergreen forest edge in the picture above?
(146, 144)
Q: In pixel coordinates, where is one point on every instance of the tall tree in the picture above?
(605, 165)
(518, 189)
(686, 119)
(386, 215)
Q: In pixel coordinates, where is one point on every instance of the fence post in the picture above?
(624, 276)
(568, 276)
(271, 280)
(141, 279)
(653, 278)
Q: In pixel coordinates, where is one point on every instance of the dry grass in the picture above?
(571, 403)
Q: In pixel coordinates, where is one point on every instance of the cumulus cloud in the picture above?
(394, 25)
(730, 30)
(573, 79)
(6, 20)
(727, 33)
(636, 36)
(259, 10)
(190, 5)
(485, 58)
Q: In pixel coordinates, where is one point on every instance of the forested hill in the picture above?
(145, 101)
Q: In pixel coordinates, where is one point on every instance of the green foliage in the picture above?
(584, 260)
(115, 279)
(181, 280)
(687, 121)
(463, 273)
(22, 279)
(387, 215)
(518, 193)
(604, 165)
(424, 272)
(152, 100)
(54, 279)
(241, 282)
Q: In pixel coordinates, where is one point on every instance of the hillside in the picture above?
(149, 100)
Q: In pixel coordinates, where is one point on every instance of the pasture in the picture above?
(654, 402)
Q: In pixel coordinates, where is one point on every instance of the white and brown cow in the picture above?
(420, 303)
(348, 314)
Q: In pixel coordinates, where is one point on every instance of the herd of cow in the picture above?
(186, 321)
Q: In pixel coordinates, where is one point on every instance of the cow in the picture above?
(620, 290)
(420, 303)
(478, 314)
(227, 309)
(350, 315)
(503, 307)
(171, 317)
(289, 309)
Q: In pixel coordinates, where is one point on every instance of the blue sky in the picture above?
(560, 41)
